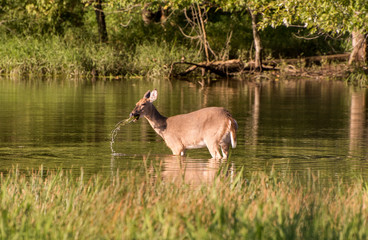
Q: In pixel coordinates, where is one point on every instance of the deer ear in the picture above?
(153, 96)
(147, 94)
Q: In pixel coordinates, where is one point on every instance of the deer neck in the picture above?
(157, 121)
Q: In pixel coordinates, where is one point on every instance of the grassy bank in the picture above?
(81, 57)
(75, 56)
(57, 205)
(54, 56)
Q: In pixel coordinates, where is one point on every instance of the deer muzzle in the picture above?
(135, 116)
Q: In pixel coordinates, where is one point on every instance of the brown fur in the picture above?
(208, 127)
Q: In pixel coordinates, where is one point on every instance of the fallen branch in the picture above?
(227, 68)
(221, 68)
(236, 67)
(314, 59)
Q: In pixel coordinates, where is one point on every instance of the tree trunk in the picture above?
(203, 30)
(359, 53)
(100, 17)
(257, 41)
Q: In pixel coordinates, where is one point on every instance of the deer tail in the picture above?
(233, 128)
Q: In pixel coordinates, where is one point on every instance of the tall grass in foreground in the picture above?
(57, 205)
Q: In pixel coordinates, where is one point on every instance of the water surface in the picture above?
(309, 127)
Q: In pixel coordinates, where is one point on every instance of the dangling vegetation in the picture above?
(358, 77)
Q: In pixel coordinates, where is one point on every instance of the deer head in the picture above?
(144, 106)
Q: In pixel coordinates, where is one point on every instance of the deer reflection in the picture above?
(186, 170)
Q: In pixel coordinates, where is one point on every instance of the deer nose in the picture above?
(134, 115)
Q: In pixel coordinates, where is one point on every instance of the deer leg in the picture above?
(182, 153)
(225, 145)
(178, 151)
(176, 147)
(225, 150)
(213, 148)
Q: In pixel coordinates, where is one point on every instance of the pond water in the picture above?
(310, 127)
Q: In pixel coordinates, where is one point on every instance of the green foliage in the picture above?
(221, 26)
(59, 36)
(358, 77)
(56, 55)
(154, 59)
(82, 57)
(284, 42)
(40, 17)
(331, 17)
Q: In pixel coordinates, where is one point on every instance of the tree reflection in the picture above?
(255, 113)
(357, 120)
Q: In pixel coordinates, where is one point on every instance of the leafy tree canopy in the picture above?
(332, 17)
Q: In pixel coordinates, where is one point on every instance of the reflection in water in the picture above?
(255, 113)
(357, 120)
(303, 126)
(186, 170)
(190, 171)
(180, 170)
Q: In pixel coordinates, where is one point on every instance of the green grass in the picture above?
(358, 76)
(58, 205)
(154, 59)
(56, 56)
(77, 57)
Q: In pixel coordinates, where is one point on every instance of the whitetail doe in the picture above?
(209, 127)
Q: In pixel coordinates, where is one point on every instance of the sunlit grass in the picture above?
(54, 55)
(58, 205)
(154, 59)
